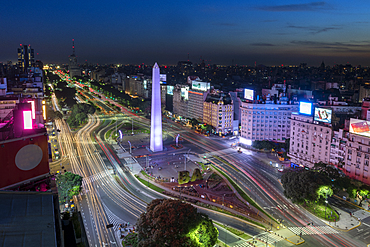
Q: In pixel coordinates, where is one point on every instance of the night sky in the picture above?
(220, 32)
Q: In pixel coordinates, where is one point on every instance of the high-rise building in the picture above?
(74, 69)
(26, 58)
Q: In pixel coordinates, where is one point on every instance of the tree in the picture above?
(302, 185)
(69, 184)
(174, 223)
(363, 192)
(194, 122)
(324, 192)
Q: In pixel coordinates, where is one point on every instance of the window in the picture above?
(349, 157)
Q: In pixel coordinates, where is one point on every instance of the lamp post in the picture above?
(132, 131)
(223, 201)
(130, 145)
(116, 126)
(226, 234)
(326, 202)
(188, 157)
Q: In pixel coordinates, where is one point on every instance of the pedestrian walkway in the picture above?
(346, 221)
(313, 230)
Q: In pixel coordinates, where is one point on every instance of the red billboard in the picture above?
(23, 159)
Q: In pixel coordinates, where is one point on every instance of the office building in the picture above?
(266, 121)
(74, 69)
(26, 58)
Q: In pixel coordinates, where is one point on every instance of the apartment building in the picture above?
(310, 141)
(218, 112)
(266, 121)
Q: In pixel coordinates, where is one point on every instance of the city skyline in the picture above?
(233, 32)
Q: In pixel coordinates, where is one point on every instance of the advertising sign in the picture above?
(24, 159)
(248, 94)
(305, 108)
(163, 77)
(322, 115)
(359, 127)
(185, 92)
(200, 85)
(170, 90)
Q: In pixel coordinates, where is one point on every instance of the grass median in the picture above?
(147, 183)
(238, 233)
(243, 195)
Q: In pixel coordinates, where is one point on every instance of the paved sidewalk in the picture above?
(346, 221)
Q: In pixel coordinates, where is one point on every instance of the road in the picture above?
(258, 182)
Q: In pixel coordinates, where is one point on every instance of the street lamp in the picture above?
(132, 131)
(130, 145)
(223, 201)
(188, 157)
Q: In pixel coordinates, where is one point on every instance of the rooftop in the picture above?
(27, 219)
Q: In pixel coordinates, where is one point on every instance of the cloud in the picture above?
(313, 6)
(362, 46)
(262, 44)
(226, 24)
(313, 29)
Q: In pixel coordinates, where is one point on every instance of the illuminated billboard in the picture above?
(170, 90)
(248, 94)
(32, 108)
(163, 77)
(359, 127)
(305, 108)
(185, 92)
(322, 115)
(27, 120)
(200, 85)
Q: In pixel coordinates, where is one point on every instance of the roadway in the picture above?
(256, 181)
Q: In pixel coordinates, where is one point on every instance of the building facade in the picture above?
(181, 100)
(195, 105)
(357, 158)
(218, 112)
(26, 58)
(310, 141)
(266, 121)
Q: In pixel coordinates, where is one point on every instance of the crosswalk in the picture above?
(94, 177)
(113, 219)
(312, 230)
(271, 239)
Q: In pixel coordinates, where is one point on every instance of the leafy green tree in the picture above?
(363, 192)
(169, 222)
(80, 117)
(72, 121)
(324, 192)
(194, 122)
(69, 184)
(302, 185)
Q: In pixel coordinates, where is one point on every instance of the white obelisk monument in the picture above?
(156, 142)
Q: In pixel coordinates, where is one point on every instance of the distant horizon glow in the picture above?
(224, 32)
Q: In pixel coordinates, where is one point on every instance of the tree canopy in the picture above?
(302, 185)
(69, 184)
(80, 113)
(174, 223)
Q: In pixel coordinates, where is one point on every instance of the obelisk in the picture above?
(156, 142)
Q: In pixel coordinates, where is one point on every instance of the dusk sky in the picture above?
(221, 32)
